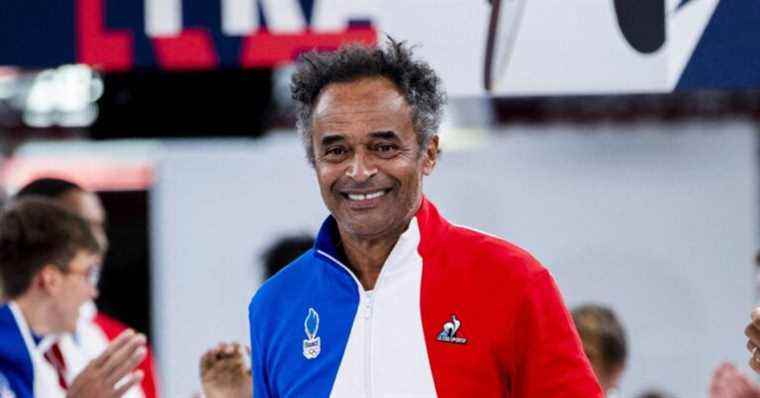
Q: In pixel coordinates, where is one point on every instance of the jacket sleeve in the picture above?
(550, 361)
(258, 362)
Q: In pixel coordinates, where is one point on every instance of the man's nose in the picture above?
(361, 167)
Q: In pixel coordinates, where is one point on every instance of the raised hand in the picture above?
(225, 372)
(112, 373)
(728, 382)
(752, 331)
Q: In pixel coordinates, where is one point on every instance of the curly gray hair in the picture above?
(414, 78)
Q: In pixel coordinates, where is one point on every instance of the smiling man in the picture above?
(393, 300)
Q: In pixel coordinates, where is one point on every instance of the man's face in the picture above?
(76, 286)
(88, 206)
(367, 158)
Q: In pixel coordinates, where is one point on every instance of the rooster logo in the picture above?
(449, 332)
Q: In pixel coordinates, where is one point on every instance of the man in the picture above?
(95, 329)
(48, 258)
(394, 300)
(604, 343)
(74, 198)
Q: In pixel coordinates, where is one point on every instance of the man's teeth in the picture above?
(355, 196)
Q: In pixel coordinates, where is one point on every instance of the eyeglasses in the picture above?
(91, 274)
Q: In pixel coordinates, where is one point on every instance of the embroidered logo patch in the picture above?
(312, 345)
(449, 332)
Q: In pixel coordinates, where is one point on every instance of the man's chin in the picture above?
(369, 227)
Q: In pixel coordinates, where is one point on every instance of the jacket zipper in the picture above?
(366, 302)
(368, 345)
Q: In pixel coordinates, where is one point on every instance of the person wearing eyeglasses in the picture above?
(95, 329)
(49, 259)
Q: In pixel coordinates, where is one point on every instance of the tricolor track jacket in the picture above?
(454, 313)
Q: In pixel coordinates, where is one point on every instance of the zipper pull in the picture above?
(367, 306)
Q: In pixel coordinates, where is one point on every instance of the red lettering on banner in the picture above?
(192, 50)
(97, 46)
(265, 49)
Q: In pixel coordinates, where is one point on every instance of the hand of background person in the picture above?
(752, 331)
(112, 373)
(225, 372)
(728, 382)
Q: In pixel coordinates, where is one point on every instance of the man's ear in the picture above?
(49, 279)
(431, 155)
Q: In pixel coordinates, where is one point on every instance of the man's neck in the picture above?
(35, 313)
(366, 257)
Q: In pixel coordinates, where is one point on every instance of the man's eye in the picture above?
(335, 151)
(385, 147)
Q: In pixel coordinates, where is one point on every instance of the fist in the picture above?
(225, 372)
(752, 331)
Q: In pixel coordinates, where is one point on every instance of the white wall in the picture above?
(660, 222)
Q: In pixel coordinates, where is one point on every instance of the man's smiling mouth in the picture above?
(356, 197)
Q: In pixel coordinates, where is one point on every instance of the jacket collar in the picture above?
(426, 228)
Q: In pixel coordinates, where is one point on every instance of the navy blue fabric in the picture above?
(15, 362)
(277, 315)
(38, 33)
(327, 238)
(728, 53)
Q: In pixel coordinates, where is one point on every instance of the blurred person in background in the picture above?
(283, 251)
(405, 303)
(48, 260)
(95, 329)
(225, 370)
(604, 343)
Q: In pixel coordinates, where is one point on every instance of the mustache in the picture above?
(349, 184)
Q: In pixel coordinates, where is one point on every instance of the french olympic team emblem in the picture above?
(449, 332)
(312, 345)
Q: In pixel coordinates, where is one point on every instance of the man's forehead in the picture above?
(361, 97)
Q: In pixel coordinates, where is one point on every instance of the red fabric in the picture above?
(112, 328)
(54, 356)
(521, 342)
